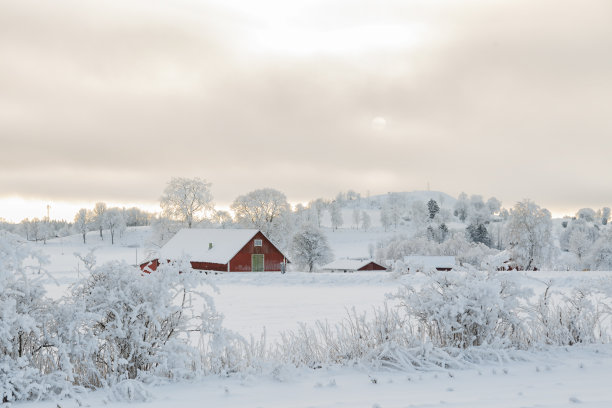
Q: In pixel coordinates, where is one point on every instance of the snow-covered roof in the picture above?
(430, 261)
(195, 242)
(497, 260)
(347, 264)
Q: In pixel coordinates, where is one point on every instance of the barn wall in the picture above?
(272, 256)
(209, 266)
(150, 266)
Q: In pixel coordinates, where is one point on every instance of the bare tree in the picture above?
(187, 199)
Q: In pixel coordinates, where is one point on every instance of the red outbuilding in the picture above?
(353, 265)
(226, 250)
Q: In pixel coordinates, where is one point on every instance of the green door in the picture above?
(257, 262)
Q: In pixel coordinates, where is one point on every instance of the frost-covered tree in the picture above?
(356, 217)
(36, 229)
(366, 221)
(578, 234)
(82, 222)
(462, 207)
(352, 195)
(114, 221)
(265, 209)
(385, 217)
(478, 216)
(98, 215)
(222, 218)
(162, 229)
(309, 248)
(433, 208)
(587, 214)
(24, 228)
(579, 243)
(599, 257)
(478, 233)
(605, 215)
(494, 205)
(430, 233)
(420, 214)
(187, 200)
(442, 232)
(135, 217)
(335, 212)
(396, 206)
(529, 235)
(318, 206)
(476, 202)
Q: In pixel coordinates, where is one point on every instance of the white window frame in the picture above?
(258, 243)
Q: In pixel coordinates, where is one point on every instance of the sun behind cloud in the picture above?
(379, 123)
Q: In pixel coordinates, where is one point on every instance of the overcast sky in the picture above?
(107, 100)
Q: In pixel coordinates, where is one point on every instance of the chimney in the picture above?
(210, 245)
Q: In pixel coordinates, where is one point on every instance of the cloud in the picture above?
(108, 100)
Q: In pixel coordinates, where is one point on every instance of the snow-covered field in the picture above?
(557, 377)
(578, 377)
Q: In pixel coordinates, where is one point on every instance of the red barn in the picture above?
(353, 265)
(226, 250)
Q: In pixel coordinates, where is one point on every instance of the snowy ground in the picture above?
(554, 378)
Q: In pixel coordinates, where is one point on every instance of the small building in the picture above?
(225, 250)
(421, 262)
(353, 265)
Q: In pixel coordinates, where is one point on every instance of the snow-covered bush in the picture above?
(223, 351)
(561, 319)
(119, 324)
(355, 339)
(465, 309)
(25, 372)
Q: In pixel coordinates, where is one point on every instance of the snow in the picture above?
(557, 379)
(346, 264)
(552, 377)
(195, 242)
(352, 243)
(430, 261)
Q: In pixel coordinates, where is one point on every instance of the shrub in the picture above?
(464, 309)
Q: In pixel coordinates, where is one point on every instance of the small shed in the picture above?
(225, 250)
(353, 265)
(422, 262)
